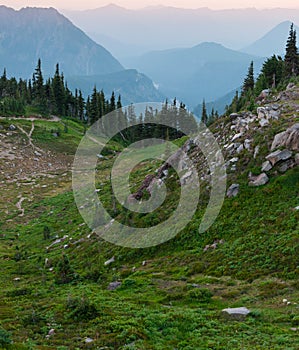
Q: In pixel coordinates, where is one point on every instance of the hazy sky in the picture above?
(214, 4)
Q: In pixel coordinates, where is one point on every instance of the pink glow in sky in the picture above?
(213, 4)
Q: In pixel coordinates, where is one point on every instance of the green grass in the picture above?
(174, 301)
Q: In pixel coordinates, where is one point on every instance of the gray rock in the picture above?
(238, 314)
(88, 340)
(240, 149)
(259, 180)
(278, 156)
(12, 127)
(288, 139)
(237, 136)
(297, 159)
(290, 86)
(267, 166)
(233, 190)
(234, 116)
(247, 144)
(51, 332)
(264, 122)
(256, 151)
(114, 285)
(286, 166)
(110, 261)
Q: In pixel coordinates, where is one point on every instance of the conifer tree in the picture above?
(291, 57)
(204, 114)
(248, 84)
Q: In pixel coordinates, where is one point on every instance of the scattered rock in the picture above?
(297, 159)
(260, 180)
(88, 340)
(278, 156)
(110, 261)
(144, 263)
(38, 154)
(288, 139)
(247, 144)
(51, 332)
(12, 127)
(297, 208)
(233, 190)
(286, 166)
(234, 116)
(256, 151)
(290, 86)
(240, 149)
(266, 166)
(114, 285)
(237, 136)
(264, 122)
(214, 245)
(238, 314)
(294, 329)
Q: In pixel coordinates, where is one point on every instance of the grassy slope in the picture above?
(157, 306)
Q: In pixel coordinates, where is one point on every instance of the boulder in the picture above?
(110, 261)
(267, 166)
(247, 144)
(286, 166)
(288, 139)
(51, 332)
(237, 314)
(256, 151)
(114, 285)
(12, 127)
(278, 156)
(240, 149)
(260, 180)
(264, 122)
(233, 190)
(88, 340)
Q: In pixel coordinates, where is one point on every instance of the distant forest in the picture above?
(52, 96)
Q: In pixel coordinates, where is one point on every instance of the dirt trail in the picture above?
(32, 119)
(29, 135)
(19, 206)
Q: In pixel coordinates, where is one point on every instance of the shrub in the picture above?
(81, 309)
(5, 337)
(200, 294)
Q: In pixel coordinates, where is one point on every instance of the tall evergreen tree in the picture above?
(248, 84)
(291, 57)
(204, 114)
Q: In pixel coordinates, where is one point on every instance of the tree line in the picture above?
(51, 97)
(276, 72)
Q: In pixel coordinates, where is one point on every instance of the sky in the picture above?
(213, 4)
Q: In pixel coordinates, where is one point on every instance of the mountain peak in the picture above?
(273, 42)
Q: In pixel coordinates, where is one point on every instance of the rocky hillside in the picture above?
(235, 286)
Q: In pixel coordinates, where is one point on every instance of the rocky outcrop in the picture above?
(266, 113)
(114, 285)
(278, 156)
(237, 314)
(288, 139)
(233, 190)
(259, 180)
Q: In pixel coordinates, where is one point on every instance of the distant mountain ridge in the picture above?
(32, 33)
(273, 42)
(208, 70)
(159, 28)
